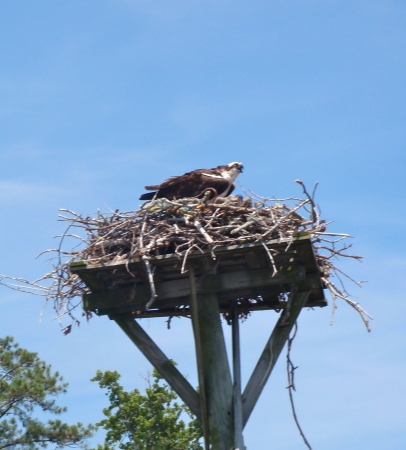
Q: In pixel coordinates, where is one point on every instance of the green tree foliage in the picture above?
(26, 387)
(146, 422)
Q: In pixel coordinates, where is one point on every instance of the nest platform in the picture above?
(243, 277)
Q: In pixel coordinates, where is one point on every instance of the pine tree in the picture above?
(26, 385)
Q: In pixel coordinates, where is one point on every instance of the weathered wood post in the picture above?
(216, 390)
(237, 397)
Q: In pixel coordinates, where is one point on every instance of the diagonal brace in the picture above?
(272, 350)
(160, 361)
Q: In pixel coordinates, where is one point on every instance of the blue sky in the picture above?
(101, 98)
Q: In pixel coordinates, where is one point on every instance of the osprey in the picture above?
(218, 181)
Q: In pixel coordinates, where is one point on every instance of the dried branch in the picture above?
(290, 369)
(337, 293)
(203, 232)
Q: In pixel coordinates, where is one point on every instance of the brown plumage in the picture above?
(220, 181)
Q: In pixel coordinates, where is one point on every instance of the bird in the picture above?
(219, 182)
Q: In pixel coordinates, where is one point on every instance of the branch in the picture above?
(335, 292)
(290, 368)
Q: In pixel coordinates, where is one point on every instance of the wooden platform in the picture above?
(242, 277)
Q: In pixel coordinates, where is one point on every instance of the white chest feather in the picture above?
(230, 175)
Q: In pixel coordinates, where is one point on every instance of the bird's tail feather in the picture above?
(147, 196)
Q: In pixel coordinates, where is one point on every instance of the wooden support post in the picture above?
(216, 390)
(160, 361)
(237, 399)
(196, 331)
(272, 351)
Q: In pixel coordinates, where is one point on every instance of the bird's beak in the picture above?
(242, 167)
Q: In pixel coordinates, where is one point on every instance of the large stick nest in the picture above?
(182, 227)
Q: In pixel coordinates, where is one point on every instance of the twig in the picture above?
(154, 295)
(335, 292)
(282, 219)
(290, 368)
(275, 270)
(314, 212)
(203, 232)
(183, 270)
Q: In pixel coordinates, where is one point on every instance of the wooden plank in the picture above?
(237, 398)
(255, 260)
(180, 308)
(271, 352)
(209, 284)
(213, 369)
(199, 359)
(160, 361)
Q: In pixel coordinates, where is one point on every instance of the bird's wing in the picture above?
(192, 184)
(192, 176)
(232, 187)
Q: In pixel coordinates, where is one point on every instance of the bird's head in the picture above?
(235, 166)
(231, 171)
